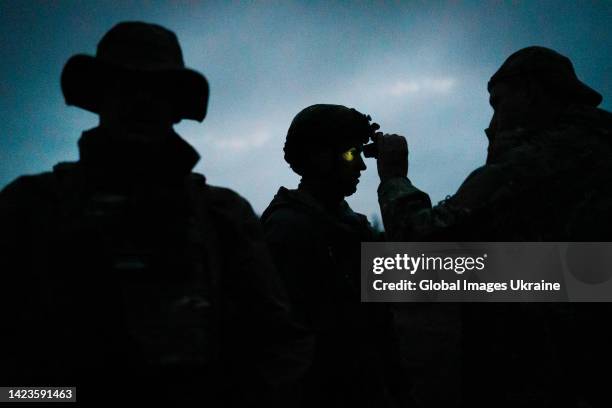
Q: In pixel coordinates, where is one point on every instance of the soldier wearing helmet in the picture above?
(315, 240)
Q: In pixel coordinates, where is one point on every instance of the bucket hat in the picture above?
(136, 49)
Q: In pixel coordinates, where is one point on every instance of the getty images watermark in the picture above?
(486, 272)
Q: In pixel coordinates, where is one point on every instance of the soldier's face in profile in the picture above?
(349, 166)
(511, 105)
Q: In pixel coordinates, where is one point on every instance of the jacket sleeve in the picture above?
(408, 214)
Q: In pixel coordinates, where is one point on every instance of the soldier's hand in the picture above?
(392, 158)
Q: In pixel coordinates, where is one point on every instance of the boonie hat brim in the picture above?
(85, 77)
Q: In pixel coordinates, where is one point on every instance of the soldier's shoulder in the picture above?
(220, 198)
(359, 218)
(287, 226)
(29, 187)
(362, 218)
(286, 217)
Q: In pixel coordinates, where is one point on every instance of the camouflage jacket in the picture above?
(540, 185)
(317, 253)
(143, 206)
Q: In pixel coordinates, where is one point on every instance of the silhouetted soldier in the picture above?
(547, 178)
(315, 239)
(128, 269)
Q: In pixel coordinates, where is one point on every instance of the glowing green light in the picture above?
(349, 155)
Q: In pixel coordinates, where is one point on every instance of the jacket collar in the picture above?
(344, 219)
(110, 152)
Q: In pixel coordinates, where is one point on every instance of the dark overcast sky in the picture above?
(419, 68)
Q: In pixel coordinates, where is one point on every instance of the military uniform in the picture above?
(316, 250)
(127, 267)
(548, 184)
(126, 274)
(535, 189)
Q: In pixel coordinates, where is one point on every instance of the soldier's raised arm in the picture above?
(407, 212)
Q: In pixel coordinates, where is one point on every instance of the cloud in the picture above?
(423, 85)
(237, 144)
